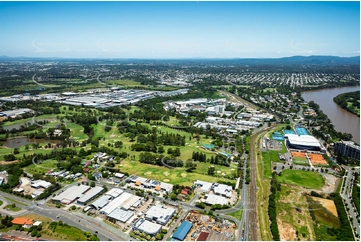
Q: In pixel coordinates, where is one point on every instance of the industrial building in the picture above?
(125, 201)
(40, 184)
(161, 214)
(114, 192)
(71, 194)
(101, 202)
(304, 142)
(182, 231)
(15, 113)
(347, 148)
(147, 227)
(121, 215)
(91, 194)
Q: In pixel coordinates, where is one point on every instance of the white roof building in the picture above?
(303, 140)
(215, 199)
(205, 186)
(114, 192)
(115, 203)
(147, 227)
(161, 214)
(222, 189)
(121, 215)
(89, 195)
(72, 193)
(40, 183)
(101, 202)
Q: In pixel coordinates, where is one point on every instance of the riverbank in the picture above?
(349, 101)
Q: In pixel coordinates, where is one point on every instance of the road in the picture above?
(105, 231)
(346, 195)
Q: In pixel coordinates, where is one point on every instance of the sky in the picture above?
(179, 29)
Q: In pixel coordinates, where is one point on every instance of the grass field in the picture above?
(61, 232)
(293, 218)
(15, 201)
(237, 214)
(307, 179)
(300, 161)
(11, 208)
(41, 168)
(76, 131)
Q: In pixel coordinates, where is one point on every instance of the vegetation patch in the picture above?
(306, 179)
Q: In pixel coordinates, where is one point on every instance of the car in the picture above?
(96, 232)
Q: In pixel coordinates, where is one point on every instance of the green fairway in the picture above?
(173, 176)
(305, 179)
(76, 131)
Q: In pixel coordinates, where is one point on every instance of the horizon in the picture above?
(179, 58)
(179, 30)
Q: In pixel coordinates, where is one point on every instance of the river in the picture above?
(342, 120)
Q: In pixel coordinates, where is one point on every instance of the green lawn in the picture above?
(305, 179)
(300, 161)
(14, 209)
(41, 168)
(15, 201)
(237, 214)
(76, 131)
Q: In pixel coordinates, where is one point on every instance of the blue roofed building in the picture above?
(182, 231)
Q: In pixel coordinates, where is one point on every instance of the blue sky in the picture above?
(179, 29)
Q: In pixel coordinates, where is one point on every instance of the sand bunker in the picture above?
(166, 180)
(183, 175)
(166, 173)
(148, 173)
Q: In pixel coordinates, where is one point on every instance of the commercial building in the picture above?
(150, 184)
(304, 142)
(114, 192)
(147, 227)
(161, 214)
(204, 186)
(215, 199)
(125, 201)
(182, 231)
(222, 190)
(40, 184)
(347, 148)
(25, 222)
(89, 195)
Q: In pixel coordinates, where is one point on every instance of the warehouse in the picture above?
(101, 202)
(121, 215)
(114, 192)
(182, 231)
(91, 194)
(71, 194)
(115, 203)
(304, 142)
(161, 214)
(40, 184)
(147, 227)
(15, 113)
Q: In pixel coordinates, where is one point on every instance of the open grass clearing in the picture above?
(42, 167)
(12, 208)
(306, 179)
(237, 214)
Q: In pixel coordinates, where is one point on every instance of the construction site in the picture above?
(209, 228)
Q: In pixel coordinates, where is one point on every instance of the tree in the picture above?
(190, 165)
(211, 170)
(92, 184)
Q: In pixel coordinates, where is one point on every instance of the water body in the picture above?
(342, 120)
(21, 141)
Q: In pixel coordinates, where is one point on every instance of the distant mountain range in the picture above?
(299, 60)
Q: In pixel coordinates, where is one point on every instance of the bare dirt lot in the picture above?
(328, 204)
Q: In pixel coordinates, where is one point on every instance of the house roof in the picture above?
(22, 221)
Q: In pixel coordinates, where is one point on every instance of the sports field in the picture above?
(306, 179)
(317, 159)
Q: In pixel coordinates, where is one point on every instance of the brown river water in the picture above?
(342, 120)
